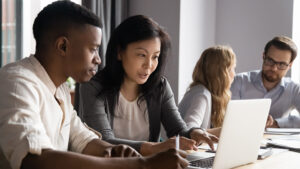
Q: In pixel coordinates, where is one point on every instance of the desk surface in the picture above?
(283, 160)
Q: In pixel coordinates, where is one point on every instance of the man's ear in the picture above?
(290, 65)
(61, 45)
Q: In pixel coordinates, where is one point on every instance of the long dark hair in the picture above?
(133, 29)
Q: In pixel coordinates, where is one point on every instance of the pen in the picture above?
(177, 142)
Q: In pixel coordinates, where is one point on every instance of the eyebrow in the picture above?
(281, 62)
(140, 48)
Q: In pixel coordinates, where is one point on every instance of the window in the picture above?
(11, 23)
(17, 17)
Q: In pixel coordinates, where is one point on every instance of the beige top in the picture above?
(131, 121)
(31, 119)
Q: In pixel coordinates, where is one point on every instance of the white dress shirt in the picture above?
(35, 115)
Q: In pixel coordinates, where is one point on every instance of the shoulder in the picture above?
(91, 87)
(247, 75)
(291, 85)
(164, 85)
(245, 78)
(201, 89)
(20, 68)
(19, 73)
(197, 92)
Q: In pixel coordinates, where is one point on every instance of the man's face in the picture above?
(276, 64)
(83, 53)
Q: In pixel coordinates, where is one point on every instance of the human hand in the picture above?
(185, 143)
(120, 151)
(271, 123)
(149, 148)
(202, 136)
(171, 159)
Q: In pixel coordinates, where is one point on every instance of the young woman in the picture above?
(129, 99)
(205, 102)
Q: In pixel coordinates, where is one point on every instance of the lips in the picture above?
(143, 75)
(93, 71)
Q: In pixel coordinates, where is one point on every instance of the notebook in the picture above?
(241, 134)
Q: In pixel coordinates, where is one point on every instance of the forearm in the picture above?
(215, 131)
(147, 148)
(50, 159)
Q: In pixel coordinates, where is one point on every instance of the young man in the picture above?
(38, 126)
(278, 57)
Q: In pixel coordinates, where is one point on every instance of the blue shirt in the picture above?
(285, 96)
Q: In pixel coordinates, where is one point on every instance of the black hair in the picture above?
(58, 17)
(133, 29)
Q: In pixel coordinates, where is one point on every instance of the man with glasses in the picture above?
(278, 57)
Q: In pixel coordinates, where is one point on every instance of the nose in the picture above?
(147, 63)
(274, 67)
(97, 59)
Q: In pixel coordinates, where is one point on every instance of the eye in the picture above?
(95, 49)
(155, 57)
(283, 64)
(270, 60)
(141, 55)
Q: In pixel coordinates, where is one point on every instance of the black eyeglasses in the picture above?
(270, 62)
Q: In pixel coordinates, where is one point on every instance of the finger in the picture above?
(107, 152)
(210, 143)
(136, 154)
(187, 144)
(183, 162)
(195, 148)
(214, 138)
(128, 152)
(118, 151)
(182, 153)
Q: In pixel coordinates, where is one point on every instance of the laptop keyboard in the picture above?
(203, 163)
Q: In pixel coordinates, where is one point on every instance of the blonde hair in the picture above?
(212, 71)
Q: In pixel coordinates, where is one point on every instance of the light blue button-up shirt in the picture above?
(285, 96)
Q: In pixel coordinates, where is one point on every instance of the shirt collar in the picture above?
(42, 74)
(258, 80)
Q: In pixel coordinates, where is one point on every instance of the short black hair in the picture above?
(282, 43)
(58, 17)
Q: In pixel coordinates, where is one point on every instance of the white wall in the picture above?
(166, 13)
(295, 73)
(247, 25)
(197, 32)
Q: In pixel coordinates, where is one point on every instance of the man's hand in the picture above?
(102, 148)
(121, 151)
(202, 136)
(271, 123)
(171, 159)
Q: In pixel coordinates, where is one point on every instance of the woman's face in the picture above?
(140, 59)
(231, 72)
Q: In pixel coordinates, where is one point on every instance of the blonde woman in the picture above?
(205, 102)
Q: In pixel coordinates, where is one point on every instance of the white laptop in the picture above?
(241, 133)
